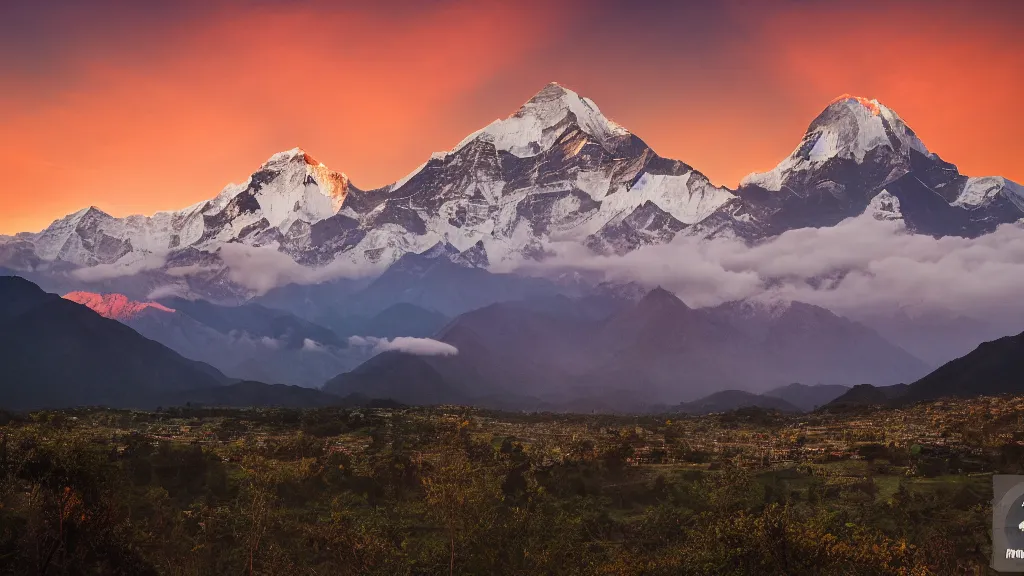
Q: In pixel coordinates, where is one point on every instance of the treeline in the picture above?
(438, 496)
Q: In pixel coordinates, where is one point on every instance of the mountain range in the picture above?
(606, 352)
(56, 353)
(416, 292)
(258, 343)
(556, 170)
(991, 369)
(656, 351)
(790, 398)
(249, 342)
(727, 400)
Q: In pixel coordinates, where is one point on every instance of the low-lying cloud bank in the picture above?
(263, 268)
(102, 272)
(409, 345)
(167, 291)
(258, 268)
(861, 266)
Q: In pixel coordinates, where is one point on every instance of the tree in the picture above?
(256, 502)
(460, 494)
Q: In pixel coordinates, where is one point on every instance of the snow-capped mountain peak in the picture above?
(859, 156)
(281, 159)
(295, 186)
(70, 238)
(877, 125)
(288, 188)
(885, 206)
(874, 106)
(440, 250)
(536, 126)
(981, 191)
(557, 170)
(849, 128)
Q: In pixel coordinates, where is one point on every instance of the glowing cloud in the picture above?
(409, 345)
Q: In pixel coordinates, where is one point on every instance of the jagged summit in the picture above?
(296, 155)
(92, 209)
(541, 120)
(292, 155)
(660, 297)
(858, 156)
(290, 188)
(985, 189)
(84, 213)
(877, 125)
(873, 105)
(294, 186)
(555, 170)
(550, 91)
(473, 257)
(74, 239)
(556, 167)
(850, 128)
(442, 249)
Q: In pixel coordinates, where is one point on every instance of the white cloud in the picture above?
(166, 291)
(860, 266)
(409, 345)
(243, 339)
(190, 270)
(263, 268)
(363, 341)
(312, 345)
(102, 272)
(256, 268)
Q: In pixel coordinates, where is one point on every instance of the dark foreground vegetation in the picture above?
(439, 491)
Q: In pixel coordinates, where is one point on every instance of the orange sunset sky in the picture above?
(136, 107)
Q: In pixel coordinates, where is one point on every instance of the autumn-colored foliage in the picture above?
(423, 491)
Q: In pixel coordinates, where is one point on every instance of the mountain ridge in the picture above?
(58, 353)
(655, 351)
(556, 168)
(250, 342)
